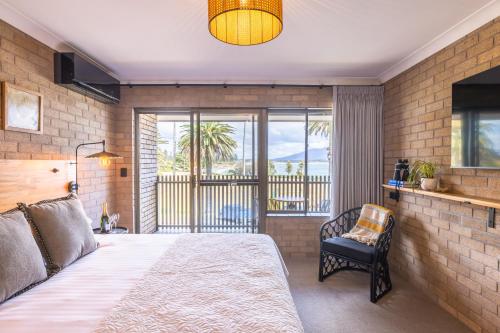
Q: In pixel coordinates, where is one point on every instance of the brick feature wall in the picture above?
(148, 171)
(296, 236)
(442, 246)
(69, 118)
(211, 97)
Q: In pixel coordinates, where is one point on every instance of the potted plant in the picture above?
(424, 172)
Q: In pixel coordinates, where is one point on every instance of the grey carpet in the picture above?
(341, 304)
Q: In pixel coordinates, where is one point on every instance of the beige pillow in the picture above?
(63, 228)
(21, 263)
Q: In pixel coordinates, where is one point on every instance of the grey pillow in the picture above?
(21, 263)
(64, 231)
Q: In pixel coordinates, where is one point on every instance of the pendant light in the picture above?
(245, 22)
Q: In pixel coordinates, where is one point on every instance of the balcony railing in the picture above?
(174, 203)
(287, 194)
(226, 208)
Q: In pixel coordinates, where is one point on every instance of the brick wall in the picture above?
(148, 171)
(69, 118)
(206, 97)
(295, 236)
(444, 247)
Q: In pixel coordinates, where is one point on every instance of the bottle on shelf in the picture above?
(105, 225)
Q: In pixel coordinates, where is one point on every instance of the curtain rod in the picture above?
(179, 85)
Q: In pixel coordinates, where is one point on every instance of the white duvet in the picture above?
(210, 283)
(183, 283)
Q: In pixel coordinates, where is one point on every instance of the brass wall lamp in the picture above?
(103, 156)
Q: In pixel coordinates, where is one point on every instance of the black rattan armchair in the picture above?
(339, 254)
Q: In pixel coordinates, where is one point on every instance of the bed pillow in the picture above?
(63, 228)
(21, 263)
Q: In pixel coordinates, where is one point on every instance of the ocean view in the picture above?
(318, 168)
(314, 168)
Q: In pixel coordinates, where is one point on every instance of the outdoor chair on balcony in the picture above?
(340, 251)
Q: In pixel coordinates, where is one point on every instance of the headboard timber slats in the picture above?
(30, 181)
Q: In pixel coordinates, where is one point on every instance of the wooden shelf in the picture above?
(485, 202)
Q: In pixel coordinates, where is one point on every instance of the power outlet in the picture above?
(123, 172)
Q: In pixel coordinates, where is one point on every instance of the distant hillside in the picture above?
(316, 154)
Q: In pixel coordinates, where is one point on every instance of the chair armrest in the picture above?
(384, 240)
(341, 224)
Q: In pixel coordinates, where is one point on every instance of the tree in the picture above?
(322, 128)
(216, 143)
(161, 155)
(181, 163)
(160, 139)
(300, 169)
(271, 168)
(289, 167)
(162, 161)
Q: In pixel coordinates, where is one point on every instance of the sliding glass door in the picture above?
(228, 176)
(175, 159)
(222, 170)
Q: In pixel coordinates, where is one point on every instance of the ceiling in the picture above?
(323, 42)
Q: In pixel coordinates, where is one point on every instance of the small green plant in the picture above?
(422, 169)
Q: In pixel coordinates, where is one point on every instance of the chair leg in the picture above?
(380, 281)
(321, 262)
(373, 286)
(329, 265)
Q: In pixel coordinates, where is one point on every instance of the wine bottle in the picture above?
(105, 226)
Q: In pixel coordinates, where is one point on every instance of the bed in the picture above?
(162, 283)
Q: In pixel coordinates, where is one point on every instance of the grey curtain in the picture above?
(357, 147)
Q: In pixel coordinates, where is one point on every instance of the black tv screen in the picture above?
(475, 123)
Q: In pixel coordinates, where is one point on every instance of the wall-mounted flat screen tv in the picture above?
(475, 123)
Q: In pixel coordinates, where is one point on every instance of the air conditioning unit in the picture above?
(77, 74)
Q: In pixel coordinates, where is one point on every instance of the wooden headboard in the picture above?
(30, 181)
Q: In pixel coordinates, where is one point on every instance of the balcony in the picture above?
(234, 207)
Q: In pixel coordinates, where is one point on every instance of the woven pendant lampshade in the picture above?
(245, 22)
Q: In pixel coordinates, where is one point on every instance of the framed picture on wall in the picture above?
(22, 109)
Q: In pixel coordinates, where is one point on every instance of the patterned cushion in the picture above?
(63, 229)
(371, 223)
(21, 263)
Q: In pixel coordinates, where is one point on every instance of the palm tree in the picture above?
(216, 143)
(319, 128)
(161, 154)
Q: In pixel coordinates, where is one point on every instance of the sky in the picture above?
(285, 138)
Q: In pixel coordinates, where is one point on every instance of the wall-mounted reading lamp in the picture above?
(103, 156)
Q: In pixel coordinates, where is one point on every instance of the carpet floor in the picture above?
(341, 304)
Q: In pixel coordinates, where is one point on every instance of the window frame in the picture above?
(299, 111)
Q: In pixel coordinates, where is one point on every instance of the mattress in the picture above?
(86, 296)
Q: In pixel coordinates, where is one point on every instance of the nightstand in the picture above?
(117, 230)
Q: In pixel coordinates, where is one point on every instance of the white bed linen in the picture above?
(76, 299)
(210, 283)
